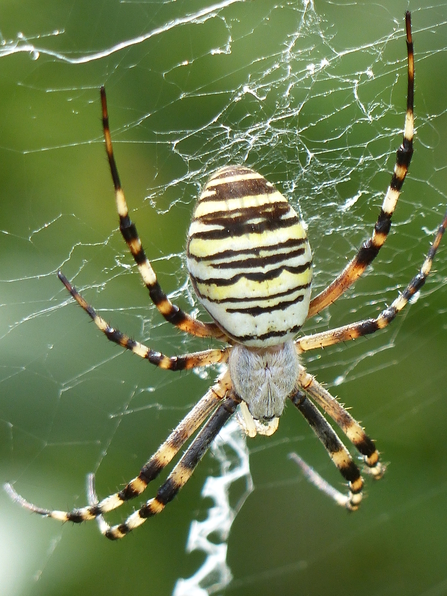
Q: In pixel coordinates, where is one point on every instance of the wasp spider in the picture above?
(250, 264)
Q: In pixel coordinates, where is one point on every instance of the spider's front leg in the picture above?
(352, 429)
(177, 478)
(308, 387)
(337, 452)
(161, 458)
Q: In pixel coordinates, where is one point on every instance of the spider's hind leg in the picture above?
(172, 313)
(369, 249)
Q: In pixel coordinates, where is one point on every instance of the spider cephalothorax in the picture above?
(264, 377)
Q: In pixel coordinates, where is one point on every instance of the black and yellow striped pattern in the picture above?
(368, 326)
(172, 313)
(352, 429)
(180, 474)
(249, 258)
(202, 411)
(370, 249)
(183, 362)
(337, 452)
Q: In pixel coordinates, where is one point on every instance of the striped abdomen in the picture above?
(249, 258)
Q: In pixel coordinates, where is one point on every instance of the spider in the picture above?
(250, 264)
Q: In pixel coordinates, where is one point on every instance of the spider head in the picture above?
(264, 377)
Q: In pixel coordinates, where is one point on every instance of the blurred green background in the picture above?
(195, 89)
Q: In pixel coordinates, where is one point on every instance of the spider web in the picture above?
(313, 97)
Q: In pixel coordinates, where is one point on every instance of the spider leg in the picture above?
(337, 452)
(161, 458)
(93, 501)
(368, 326)
(179, 475)
(183, 362)
(352, 429)
(371, 247)
(317, 480)
(172, 313)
